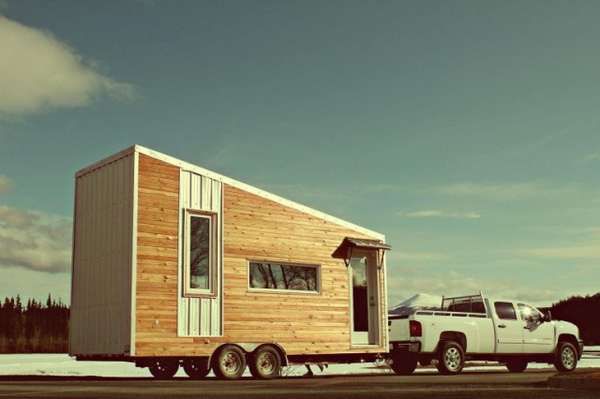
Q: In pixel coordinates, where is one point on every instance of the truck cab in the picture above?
(476, 327)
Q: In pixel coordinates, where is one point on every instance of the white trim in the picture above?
(213, 219)
(232, 182)
(74, 247)
(246, 187)
(222, 261)
(134, 231)
(115, 157)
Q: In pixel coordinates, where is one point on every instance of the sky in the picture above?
(467, 131)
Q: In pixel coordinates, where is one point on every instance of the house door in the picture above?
(364, 299)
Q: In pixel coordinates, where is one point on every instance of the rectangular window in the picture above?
(505, 310)
(278, 276)
(199, 253)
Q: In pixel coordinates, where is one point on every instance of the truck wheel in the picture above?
(229, 363)
(516, 365)
(164, 369)
(265, 363)
(404, 363)
(196, 368)
(451, 358)
(565, 358)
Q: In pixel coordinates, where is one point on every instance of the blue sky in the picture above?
(466, 131)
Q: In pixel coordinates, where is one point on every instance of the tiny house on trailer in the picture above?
(175, 265)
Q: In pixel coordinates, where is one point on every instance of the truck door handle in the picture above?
(501, 325)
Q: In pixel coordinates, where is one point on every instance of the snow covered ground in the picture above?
(63, 365)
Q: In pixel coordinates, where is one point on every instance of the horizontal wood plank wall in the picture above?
(257, 228)
(158, 229)
(254, 228)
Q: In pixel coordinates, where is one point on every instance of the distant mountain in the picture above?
(416, 302)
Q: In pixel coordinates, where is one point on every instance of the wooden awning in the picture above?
(345, 249)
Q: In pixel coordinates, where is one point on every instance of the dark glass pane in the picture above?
(283, 277)
(199, 252)
(360, 301)
(505, 310)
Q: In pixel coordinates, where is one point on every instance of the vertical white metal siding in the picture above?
(200, 317)
(102, 257)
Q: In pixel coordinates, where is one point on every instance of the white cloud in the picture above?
(450, 283)
(592, 157)
(437, 213)
(39, 72)
(5, 184)
(498, 191)
(574, 252)
(34, 240)
(409, 256)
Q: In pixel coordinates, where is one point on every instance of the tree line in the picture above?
(37, 327)
(34, 327)
(584, 312)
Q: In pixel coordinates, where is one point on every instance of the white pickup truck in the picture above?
(480, 328)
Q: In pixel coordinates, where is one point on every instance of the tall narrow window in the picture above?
(199, 256)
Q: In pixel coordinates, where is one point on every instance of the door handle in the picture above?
(501, 325)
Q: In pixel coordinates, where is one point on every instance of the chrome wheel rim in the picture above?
(266, 363)
(568, 357)
(231, 363)
(452, 359)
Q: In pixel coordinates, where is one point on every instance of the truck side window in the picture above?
(505, 310)
(529, 314)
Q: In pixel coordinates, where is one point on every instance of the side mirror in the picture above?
(548, 316)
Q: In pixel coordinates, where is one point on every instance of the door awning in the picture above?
(349, 244)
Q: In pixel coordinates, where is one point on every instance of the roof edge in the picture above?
(255, 190)
(96, 165)
(232, 182)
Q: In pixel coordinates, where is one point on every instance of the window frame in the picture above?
(514, 308)
(210, 292)
(540, 315)
(280, 290)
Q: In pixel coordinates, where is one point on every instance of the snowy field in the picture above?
(63, 365)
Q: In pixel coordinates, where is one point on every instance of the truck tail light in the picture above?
(415, 328)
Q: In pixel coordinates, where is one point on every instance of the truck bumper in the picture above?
(405, 346)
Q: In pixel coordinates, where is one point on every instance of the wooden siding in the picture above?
(254, 228)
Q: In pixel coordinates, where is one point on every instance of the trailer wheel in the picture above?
(164, 369)
(403, 363)
(516, 365)
(265, 363)
(230, 363)
(565, 358)
(196, 368)
(451, 358)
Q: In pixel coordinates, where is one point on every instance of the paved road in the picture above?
(491, 385)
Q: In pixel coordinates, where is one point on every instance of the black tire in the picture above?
(565, 358)
(451, 358)
(230, 363)
(403, 363)
(265, 363)
(196, 368)
(516, 365)
(164, 369)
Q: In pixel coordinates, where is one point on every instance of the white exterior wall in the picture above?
(101, 291)
(200, 317)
